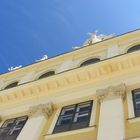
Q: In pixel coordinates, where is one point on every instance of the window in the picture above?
(14, 84)
(90, 61)
(74, 117)
(47, 74)
(11, 128)
(135, 48)
(136, 101)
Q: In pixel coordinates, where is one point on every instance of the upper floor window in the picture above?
(134, 48)
(14, 84)
(90, 61)
(74, 117)
(12, 127)
(136, 101)
(47, 74)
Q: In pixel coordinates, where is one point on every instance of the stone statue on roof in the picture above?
(94, 38)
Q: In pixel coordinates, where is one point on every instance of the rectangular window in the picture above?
(136, 101)
(74, 117)
(11, 128)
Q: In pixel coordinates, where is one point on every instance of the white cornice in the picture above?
(47, 87)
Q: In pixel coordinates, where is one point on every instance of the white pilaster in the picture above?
(93, 114)
(112, 51)
(66, 65)
(38, 116)
(111, 120)
(27, 78)
(32, 128)
(50, 131)
(131, 113)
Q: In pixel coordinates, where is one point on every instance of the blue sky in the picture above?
(30, 29)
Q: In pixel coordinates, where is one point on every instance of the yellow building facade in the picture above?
(91, 93)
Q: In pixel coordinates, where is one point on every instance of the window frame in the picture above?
(87, 61)
(133, 48)
(46, 74)
(73, 116)
(134, 102)
(11, 85)
(14, 125)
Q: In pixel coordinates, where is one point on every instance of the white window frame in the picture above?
(91, 122)
(131, 113)
(50, 131)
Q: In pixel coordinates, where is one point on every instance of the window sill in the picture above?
(133, 120)
(69, 133)
(134, 138)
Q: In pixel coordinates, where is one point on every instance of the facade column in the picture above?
(38, 116)
(111, 119)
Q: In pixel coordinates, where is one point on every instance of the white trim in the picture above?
(50, 131)
(112, 51)
(33, 128)
(133, 138)
(111, 119)
(69, 133)
(1, 123)
(93, 114)
(92, 118)
(131, 113)
(133, 120)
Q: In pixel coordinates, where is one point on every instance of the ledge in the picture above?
(70, 133)
(133, 120)
(134, 138)
(45, 88)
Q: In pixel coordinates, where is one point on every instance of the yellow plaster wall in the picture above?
(75, 86)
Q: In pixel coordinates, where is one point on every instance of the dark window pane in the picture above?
(9, 137)
(11, 85)
(80, 125)
(74, 117)
(137, 95)
(20, 121)
(137, 113)
(61, 128)
(14, 130)
(135, 48)
(137, 105)
(9, 123)
(82, 118)
(11, 128)
(90, 61)
(50, 73)
(68, 110)
(4, 131)
(86, 108)
(64, 120)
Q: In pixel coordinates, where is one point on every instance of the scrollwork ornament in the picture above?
(41, 109)
(112, 92)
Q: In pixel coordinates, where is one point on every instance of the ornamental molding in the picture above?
(111, 92)
(42, 109)
(45, 88)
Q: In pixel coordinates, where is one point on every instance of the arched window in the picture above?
(14, 84)
(134, 48)
(47, 74)
(90, 61)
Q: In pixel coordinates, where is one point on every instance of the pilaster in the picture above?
(45, 110)
(112, 92)
(38, 116)
(111, 119)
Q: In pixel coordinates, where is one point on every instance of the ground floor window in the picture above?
(136, 101)
(12, 127)
(74, 117)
